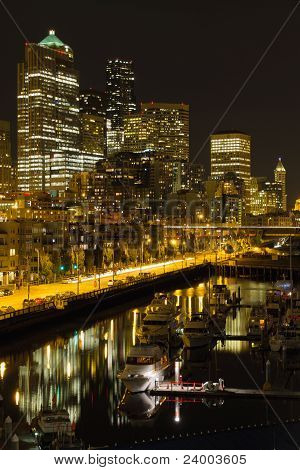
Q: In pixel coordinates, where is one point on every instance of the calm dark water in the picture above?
(81, 368)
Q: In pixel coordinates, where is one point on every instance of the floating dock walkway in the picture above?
(196, 390)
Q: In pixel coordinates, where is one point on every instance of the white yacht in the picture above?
(144, 365)
(196, 332)
(50, 423)
(162, 303)
(157, 327)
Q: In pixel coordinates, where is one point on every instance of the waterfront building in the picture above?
(283, 219)
(5, 157)
(9, 253)
(48, 114)
(230, 152)
(120, 100)
(280, 178)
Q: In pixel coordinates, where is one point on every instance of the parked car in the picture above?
(39, 301)
(28, 303)
(7, 309)
(118, 282)
(67, 294)
(130, 279)
(144, 275)
(7, 292)
(110, 283)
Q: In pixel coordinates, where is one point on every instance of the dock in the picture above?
(195, 390)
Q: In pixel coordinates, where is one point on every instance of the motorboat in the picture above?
(258, 320)
(220, 296)
(145, 364)
(162, 304)
(157, 327)
(196, 333)
(49, 424)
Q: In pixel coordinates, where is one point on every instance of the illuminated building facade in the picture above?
(48, 112)
(265, 196)
(297, 205)
(92, 123)
(5, 157)
(120, 100)
(280, 178)
(166, 128)
(230, 152)
(139, 132)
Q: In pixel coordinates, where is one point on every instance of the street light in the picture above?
(38, 252)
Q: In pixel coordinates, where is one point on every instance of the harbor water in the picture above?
(78, 371)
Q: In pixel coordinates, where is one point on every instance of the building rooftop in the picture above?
(279, 166)
(231, 131)
(53, 41)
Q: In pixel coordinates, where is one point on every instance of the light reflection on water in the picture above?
(79, 372)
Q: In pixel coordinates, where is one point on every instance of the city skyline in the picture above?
(273, 133)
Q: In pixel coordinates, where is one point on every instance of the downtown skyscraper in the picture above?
(280, 179)
(120, 100)
(48, 116)
(5, 157)
(160, 127)
(230, 152)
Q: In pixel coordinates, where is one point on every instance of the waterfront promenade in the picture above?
(42, 290)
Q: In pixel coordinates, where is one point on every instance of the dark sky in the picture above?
(198, 52)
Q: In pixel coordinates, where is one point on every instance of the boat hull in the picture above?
(142, 383)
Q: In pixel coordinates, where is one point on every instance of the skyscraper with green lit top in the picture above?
(48, 116)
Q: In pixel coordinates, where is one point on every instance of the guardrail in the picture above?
(88, 295)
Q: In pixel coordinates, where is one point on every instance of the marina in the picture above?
(81, 371)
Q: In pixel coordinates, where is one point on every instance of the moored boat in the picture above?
(196, 333)
(145, 364)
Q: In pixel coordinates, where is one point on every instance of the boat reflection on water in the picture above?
(140, 407)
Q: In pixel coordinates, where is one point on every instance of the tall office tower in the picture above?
(48, 121)
(92, 125)
(280, 177)
(92, 102)
(120, 100)
(230, 152)
(170, 123)
(5, 157)
(139, 133)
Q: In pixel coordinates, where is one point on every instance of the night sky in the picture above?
(189, 51)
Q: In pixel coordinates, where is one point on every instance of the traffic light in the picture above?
(62, 268)
(75, 266)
